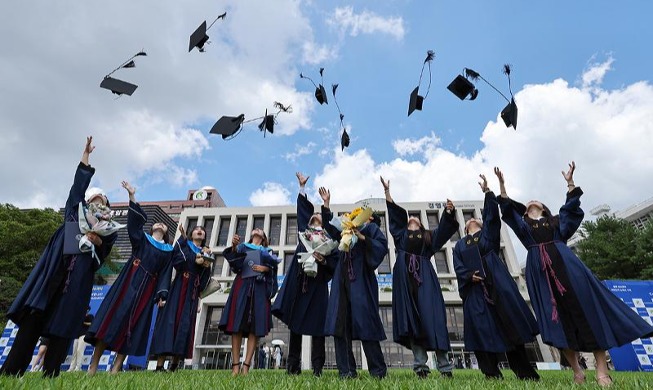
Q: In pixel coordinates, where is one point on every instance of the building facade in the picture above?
(212, 347)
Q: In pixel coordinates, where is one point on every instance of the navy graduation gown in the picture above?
(420, 315)
(354, 284)
(124, 317)
(302, 300)
(60, 285)
(247, 309)
(174, 331)
(497, 319)
(611, 321)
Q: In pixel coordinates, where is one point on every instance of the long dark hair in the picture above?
(426, 235)
(203, 244)
(265, 242)
(166, 237)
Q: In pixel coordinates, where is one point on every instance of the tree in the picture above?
(23, 235)
(645, 250)
(614, 249)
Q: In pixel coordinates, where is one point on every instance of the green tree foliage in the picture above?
(614, 249)
(23, 235)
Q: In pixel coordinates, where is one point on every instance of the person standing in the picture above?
(247, 310)
(122, 322)
(174, 331)
(302, 300)
(419, 320)
(53, 299)
(497, 319)
(353, 308)
(575, 311)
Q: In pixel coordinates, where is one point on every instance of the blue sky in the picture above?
(158, 138)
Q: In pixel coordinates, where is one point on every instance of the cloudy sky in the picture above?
(581, 78)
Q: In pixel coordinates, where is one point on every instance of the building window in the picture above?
(383, 223)
(223, 232)
(291, 230)
(218, 265)
(241, 227)
(468, 214)
(259, 223)
(212, 334)
(502, 256)
(208, 226)
(455, 323)
(190, 224)
(415, 213)
(287, 260)
(275, 230)
(441, 264)
(432, 219)
(456, 235)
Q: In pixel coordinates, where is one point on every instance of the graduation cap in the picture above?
(416, 100)
(463, 87)
(344, 138)
(198, 38)
(320, 92)
(117, 86)
(229, 126)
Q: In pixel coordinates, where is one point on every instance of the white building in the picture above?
(212, 347)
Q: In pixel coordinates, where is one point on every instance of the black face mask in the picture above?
(415, 239)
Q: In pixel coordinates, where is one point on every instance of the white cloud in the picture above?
(609, 133)
(300, 150)
(366, 22)
(595, 72)
(51, 97)
(271, 194)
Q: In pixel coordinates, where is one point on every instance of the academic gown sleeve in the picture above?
(463, 273)
(235, 258)
(179, 258)
(271, 261)
(305, 211)
(136, 219)
(163, 281)
(448, 227)
(513, 218)
(490, 239)
(83, 176)
(376, 245)
(103, 250)
(327, 215)
(397, 222)
(571, 215)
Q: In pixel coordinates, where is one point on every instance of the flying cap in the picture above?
(199, 37)
(229, 126)
(117, 86)
(320, 92)
(416, 100)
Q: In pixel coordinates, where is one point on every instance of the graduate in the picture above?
(174, 331)
(54, 298)
(247, 310)
(353, 309)
(302, 301)
(419, 320)
(497, 319)
(574, 310)
(122, 323)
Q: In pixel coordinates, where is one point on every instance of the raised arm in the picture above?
(447, 227)
(163, 281)
(327, 215)
(491, 231)
(304, 206)
(571, 215)
(83, 176)
(136, 217)
(512, 211)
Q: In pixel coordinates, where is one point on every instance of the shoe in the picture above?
(293, 370)
(422, 374)
(317, 372)
(349, 375)
(604, 380)
(446, 374)
(159, 369)
(579, 379)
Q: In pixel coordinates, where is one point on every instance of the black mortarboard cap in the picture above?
(461, 87)
(416, 101)
(320, 94)
(344, 140)
(227, 125)
(267, 124)
(509, 114)
(198, 38)
(117, 86)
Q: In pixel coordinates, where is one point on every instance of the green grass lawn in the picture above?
(278, 380)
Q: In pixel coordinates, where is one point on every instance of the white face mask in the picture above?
(318, 228)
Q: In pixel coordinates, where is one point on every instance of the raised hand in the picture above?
(569, 176)
(302, 179)
(182, 231)
(88, 149)
(502, 183)
(325, 195)
(450, 207)
(386, 184)
(483, 183)
(235, 241)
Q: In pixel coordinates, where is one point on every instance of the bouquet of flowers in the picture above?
(348, 222)
(315, 240)
(95, 218)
